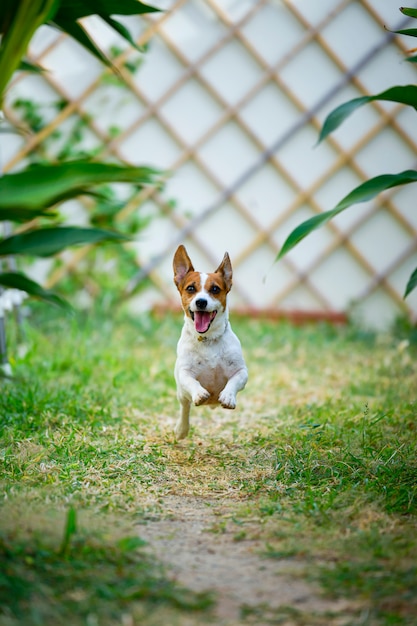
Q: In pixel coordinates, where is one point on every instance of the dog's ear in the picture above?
(182, 265)
(225, 268)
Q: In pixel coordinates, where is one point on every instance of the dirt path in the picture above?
(197, 541)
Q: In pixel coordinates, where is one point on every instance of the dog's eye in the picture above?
(190, 289)
(215, 289)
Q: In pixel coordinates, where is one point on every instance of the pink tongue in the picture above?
(202, 321)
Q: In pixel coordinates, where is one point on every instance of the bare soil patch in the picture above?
(199, 543)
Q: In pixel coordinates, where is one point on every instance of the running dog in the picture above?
(210, 368)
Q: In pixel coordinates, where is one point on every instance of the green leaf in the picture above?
(76, 9)
(45, 242)
(44, 185)
(403, 94)
(70, 530)
(19, 21)
(412, 283)
(16, 280)
(77, 32)
(70, 11)
(408, 12)
(122, 30)
(412, 32)
(364, 192)
(26, 66)
(23, 215)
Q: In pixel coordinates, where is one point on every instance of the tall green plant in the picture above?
(403, 94)
(34, 192)
(31, 193)
(19, 19)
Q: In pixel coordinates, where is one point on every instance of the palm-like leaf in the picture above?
(18, 22)
(22, 214)
(412, 283)
(29, 193)
(42, 186)
(403, 94)
(364, 192)
(45, 242)
(69, 12)
(19, 19)
(16, 280)
(409, 12)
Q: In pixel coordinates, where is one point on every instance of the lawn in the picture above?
(320, 452)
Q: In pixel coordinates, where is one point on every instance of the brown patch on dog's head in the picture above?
(189, 287)
(226, 272)
(182, 265)
(187, 280)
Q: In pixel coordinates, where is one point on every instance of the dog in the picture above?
(210, 368)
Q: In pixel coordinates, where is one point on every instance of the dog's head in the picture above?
(203, 296)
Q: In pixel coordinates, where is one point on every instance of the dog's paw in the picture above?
(201, 396)
(227, 399)
(181, 430)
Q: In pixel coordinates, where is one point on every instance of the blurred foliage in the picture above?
(402, 94)
(60, 169)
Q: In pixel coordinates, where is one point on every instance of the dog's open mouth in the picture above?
(202, 320)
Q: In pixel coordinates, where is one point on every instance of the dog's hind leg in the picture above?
(183, 424)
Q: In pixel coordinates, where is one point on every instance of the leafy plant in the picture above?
(33, 193)
(403, 94)
(20, 19)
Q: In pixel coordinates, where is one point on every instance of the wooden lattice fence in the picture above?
(230, 97)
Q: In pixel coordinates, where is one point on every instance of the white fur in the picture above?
(210, 369)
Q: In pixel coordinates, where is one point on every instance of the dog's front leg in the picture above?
(191, 388)
(236, 383)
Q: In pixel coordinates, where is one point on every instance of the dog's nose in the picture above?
(201, 304)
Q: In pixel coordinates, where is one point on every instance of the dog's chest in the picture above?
(212, 371)
(212, 363)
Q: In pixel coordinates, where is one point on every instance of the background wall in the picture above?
(229, 97)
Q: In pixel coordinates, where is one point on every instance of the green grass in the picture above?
(87, 577)
(321, 450)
